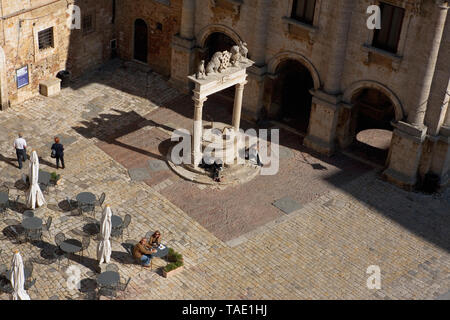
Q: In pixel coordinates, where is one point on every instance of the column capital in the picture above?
(199, 101)
(442, 4)
(241, 85)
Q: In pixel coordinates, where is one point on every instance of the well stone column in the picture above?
(198, 131)
(237, 109)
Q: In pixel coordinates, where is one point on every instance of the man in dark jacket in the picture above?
(58, 152)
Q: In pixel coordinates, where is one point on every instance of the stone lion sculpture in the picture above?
(214, 64)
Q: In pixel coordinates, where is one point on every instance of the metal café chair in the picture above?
(58, 253)
(20, 237)
(85, 244)
(28, 268)
(3, 270)
(46, 227)
(112, 267)
(100, 200)
(4, 189)
(122, 286)
(125, 224)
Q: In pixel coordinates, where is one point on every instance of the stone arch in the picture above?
(358, 85)
(289, 55)
(4, 101)
(205, 32)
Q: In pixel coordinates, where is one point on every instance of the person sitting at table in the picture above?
(155, 239)
(143, 253)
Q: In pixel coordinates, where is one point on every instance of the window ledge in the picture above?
(312, 30)
(396, 59)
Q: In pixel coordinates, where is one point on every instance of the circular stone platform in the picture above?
(230, 175)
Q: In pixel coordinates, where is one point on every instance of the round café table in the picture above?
(28, 214)
(32, 223)
(108, 279)
(44, 177)
(161, 253)
(116, 222)
(70, 246)
(86, 198)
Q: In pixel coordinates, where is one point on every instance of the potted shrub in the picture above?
(55, 178)
(175, 264)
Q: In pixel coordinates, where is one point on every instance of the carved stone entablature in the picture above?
(232, 5)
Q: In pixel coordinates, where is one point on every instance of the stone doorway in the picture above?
(370, 126)
(291, 99)
(140, 41)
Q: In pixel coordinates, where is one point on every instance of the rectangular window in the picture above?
(87, 24)
(45, 38)
(388, 36)
(303, 10)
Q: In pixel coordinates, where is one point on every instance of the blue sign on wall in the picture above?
(22, 77)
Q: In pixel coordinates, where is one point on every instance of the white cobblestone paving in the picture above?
(321, 251)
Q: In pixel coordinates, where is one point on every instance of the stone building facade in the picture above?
(320, 56)
(36, 39)
(318, 67)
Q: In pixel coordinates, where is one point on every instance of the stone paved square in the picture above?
(349, 218)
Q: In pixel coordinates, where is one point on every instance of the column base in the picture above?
(322, 123)
(404, 155)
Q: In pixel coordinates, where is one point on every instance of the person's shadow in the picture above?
(45, 162)
(10, 161)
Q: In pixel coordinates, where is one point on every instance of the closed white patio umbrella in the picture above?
(18, 278)
(104, 246)
(34, 194)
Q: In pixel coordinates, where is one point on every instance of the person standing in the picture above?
(21, 150)
(58, 153)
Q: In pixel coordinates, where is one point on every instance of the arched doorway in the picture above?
(140, 40)
(215, 42)
(371, 126)
(291, 99)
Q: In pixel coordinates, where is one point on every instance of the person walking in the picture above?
(21, 150)
(58, 153)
